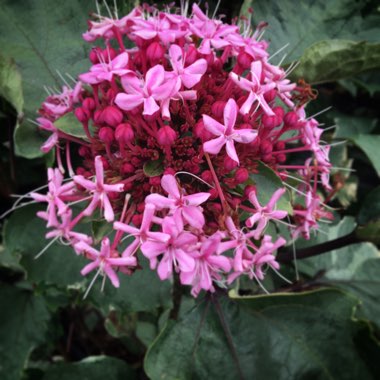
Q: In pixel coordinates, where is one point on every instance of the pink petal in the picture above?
(275, 198)
(194, 216)
(112, 276)
(230, 114)
(244, 136)
(160, 201)
(169, 184)
(128, 102)
(108, 211)
(154, 77)
(213, 126)
(123, 261)
(99, 169)
(231, 151)
(185, 262)
(246, 106)
(176, 57)
(87, 184)
(220, 262)
(196, 199)
(120, 61)
(150, 106)
(89, 268)
(214, 146)
(165, 267)
(151, 249)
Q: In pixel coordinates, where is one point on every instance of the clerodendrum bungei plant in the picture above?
(179, 131)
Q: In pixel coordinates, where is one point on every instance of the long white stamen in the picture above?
(278, 51)
(260, 284)
(216, 9)
(47, 246)
(195, 176)
(319, 113)
(281, 276)
(16, 208)
(63, 78)
(294, 256)
(92, 283)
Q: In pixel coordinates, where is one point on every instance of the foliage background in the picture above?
(325, 326)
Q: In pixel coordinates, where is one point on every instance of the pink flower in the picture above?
(57, 105)
(175, 251)
(55, 196)
(190, 75)
(155, 88)
(265, 255)
(104, 260)
(227, 134)
(105, 71)
(64, 230)
(266, 213)
(52, 141)
(99, 190)
(212, 32)
(208, 265)
(187, 206)
(255, 88)
(143, 233)
(160, 27)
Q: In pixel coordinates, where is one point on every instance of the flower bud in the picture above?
(127, 168)
(269, 121)
(82, 114)
(155, 181)
(166, 135)
(218, 108)
(241, 175)
(266, 147)
(94, 55)
(98, 117)
(201, 132)
(229, 164)
(155, 53)
(169, 171)
(248, 189)
(124, 133)
(244, 60)
(291, 119)
(89, 104)
(191, 55)
(137, 219)
(106, 135)
(207, 176)
(280, 158)
(112, 116)
(280, 145)
(270, 95)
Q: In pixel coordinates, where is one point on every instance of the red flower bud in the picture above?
(291, 119)
(266, 147)
(218, 108)
(89, 103)
(241, 175)
(166, 135)
(201, 132)
(127, 168)
(124, 133)
(244, 60)
(82, 114)
(155, 53)
(106, 134)
(229, 164)
(191, 55)
(112, 116)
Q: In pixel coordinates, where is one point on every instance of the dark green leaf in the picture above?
(42, 38)
(91, 368)
(24, 234)
(351, 126)
(331, 60)
(153, 168)
(70, 125)
(267, 183)
(370, 210)
(284, 336)
(23, 323)
(370, 144)
(10, 84)
(302, 23)
(28, 140)
(142, 291)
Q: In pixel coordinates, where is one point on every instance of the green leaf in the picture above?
(24, 235)
(370, 210)
(23, 324)
(283, 336)
(351, 126)
(91, 368)
(153, 168)
(267, 183)
(302, 23)
(42, 38)
(10, 84)
(365, 284)
(331, 60)
(369, 144)
(28, 140)
(142, 291)
(70, 125)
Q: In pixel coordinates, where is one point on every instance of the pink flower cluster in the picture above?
(173, 131)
